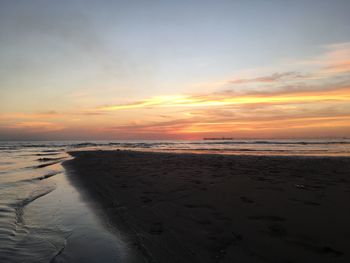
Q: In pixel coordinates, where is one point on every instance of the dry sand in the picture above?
(215, 208)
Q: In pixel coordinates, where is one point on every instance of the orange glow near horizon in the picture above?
(284, 104)
(196, 116)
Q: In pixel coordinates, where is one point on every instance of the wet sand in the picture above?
(216, 208)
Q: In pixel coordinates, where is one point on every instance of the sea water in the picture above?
(43, 217)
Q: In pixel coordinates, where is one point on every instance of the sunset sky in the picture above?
(180, 69)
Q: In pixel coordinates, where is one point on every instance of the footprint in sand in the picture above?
(267, 218)
(277, 230)
(156, 228)
(246, 200)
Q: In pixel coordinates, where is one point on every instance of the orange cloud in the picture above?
(227, 99)
(342, 66)
(335, 61)
(252, 114)
(240, 126)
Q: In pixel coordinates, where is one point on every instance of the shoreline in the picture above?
(221, 208)
(112, 222)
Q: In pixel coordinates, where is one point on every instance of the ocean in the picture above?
(45, 217)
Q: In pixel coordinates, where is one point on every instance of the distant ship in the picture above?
(221, 139)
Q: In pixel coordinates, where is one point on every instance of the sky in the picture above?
(185, 69)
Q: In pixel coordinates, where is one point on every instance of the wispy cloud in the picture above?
(276, 103)
(227, 99)
(269, 78)
(327, 78)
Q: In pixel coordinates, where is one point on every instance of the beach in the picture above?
(222, 208)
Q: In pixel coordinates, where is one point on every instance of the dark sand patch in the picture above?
(213, 208)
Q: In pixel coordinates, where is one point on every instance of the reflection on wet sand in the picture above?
(43, 218)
